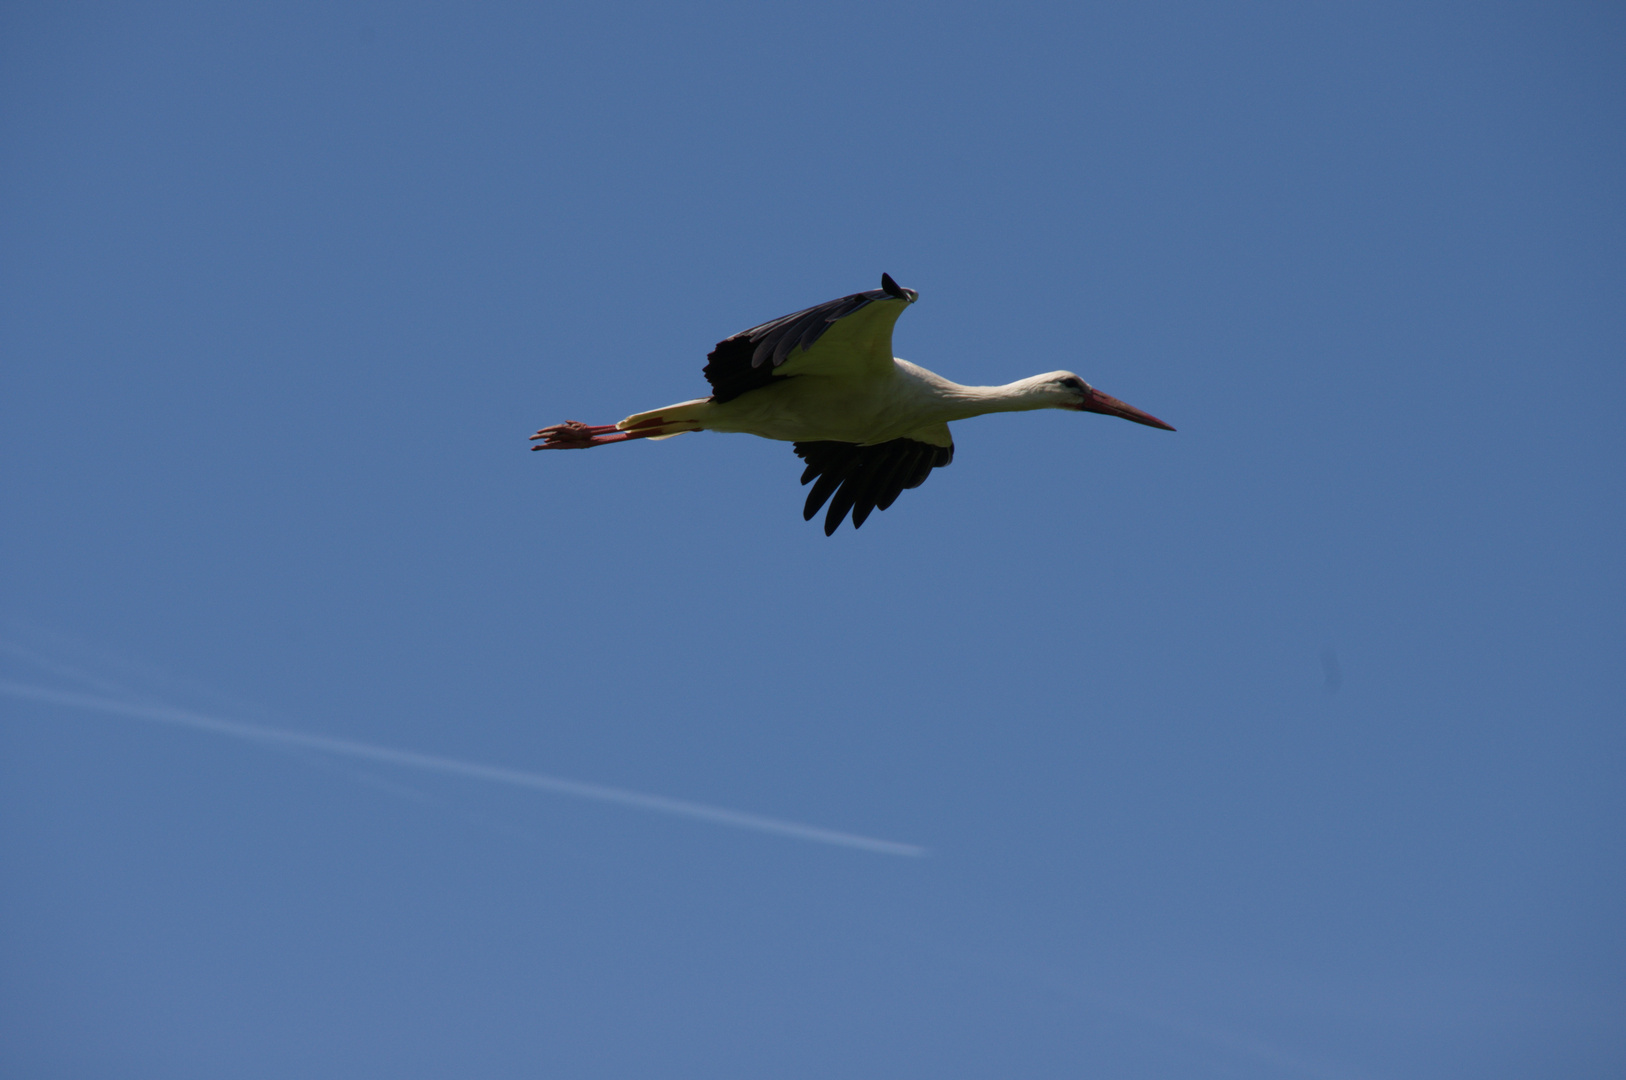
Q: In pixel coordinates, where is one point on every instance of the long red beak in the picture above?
(1111, 406)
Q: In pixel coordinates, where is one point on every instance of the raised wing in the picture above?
(865, 478)
(850, 336)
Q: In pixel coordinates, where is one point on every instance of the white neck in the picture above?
(959, 402)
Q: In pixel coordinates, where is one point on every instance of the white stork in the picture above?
(868, 424)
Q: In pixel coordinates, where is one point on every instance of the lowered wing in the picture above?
(866, 478)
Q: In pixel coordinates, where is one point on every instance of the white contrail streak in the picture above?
(56, 667)
(410, 759)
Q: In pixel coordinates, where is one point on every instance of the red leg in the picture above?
(575, 435)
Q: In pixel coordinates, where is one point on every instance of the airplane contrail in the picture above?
(411, 759)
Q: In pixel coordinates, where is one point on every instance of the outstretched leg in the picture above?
(575, 435)
(656, 424)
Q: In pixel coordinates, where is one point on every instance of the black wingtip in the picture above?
(892, 288)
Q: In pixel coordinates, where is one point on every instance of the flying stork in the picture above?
(868, 424)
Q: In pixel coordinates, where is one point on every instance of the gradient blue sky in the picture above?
(1289, 745)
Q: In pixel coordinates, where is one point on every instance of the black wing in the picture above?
(864, 478)
(747, 360)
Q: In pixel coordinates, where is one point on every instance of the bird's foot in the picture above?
(575, 435)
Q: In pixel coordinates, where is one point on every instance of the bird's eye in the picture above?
(1071, 382)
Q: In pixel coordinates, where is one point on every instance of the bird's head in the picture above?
(1071, 392)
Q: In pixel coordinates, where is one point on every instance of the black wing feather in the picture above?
(866, 493)
(891, 485)
(840, 503)
(864, 478)
(824, 488)
(747, 360)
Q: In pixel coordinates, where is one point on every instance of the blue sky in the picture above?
(1288, 745)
